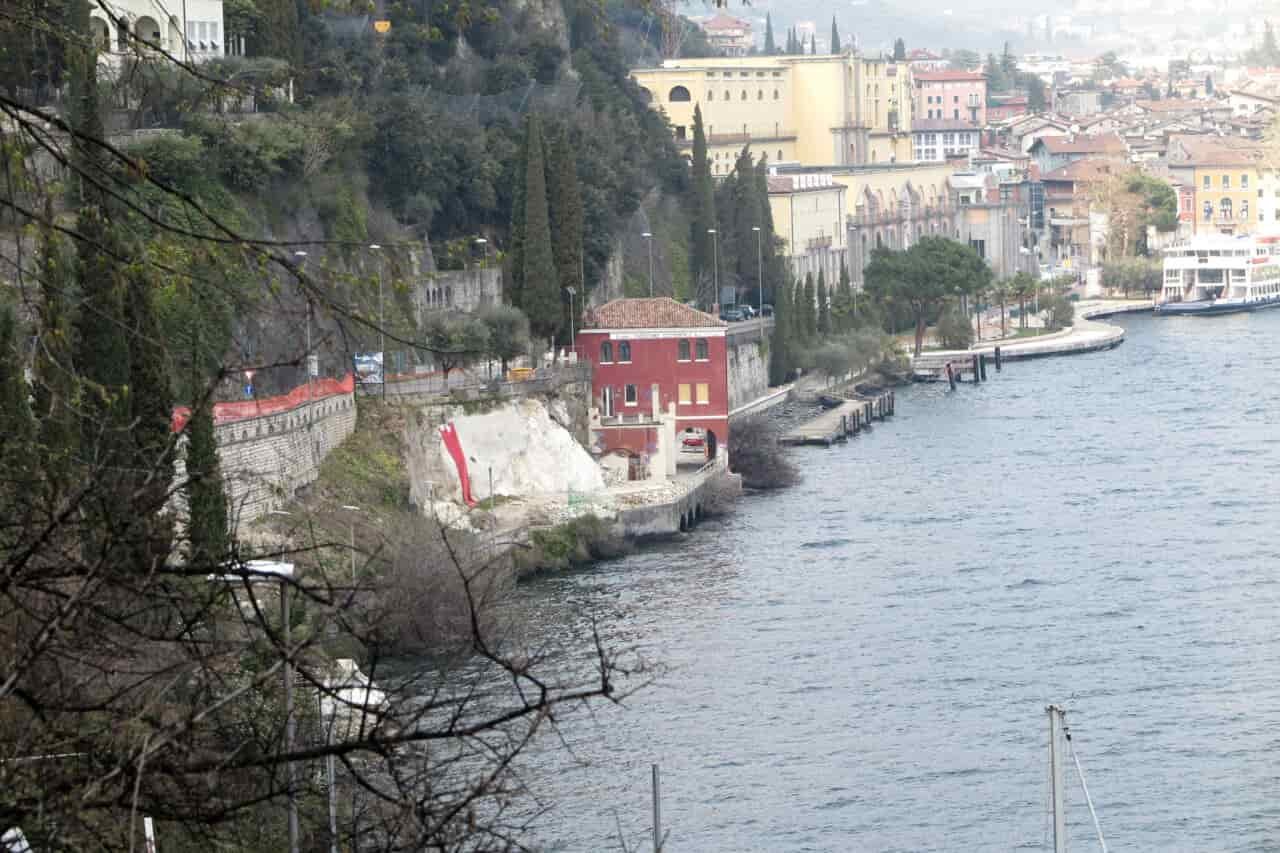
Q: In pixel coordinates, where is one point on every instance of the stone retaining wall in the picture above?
(748, 373)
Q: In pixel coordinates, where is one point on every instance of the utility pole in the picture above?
(760, 273)
(382, 333)
(715, 255)
(649, 237)
(1057, 781)
(302, 260)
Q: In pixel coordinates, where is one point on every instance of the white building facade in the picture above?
(155, 27)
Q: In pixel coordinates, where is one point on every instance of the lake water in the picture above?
(862, 663)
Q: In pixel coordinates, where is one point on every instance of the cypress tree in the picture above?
(813, 45)
(206, 496)
(54, 387)
(824, 305)
(809, 309)
(515, 250)
(769, 47)
(565, 203)
(849, 321)
(899, 50)
(746, 244)
(540, 299)
(835, 36)
(702, 216)
(780, 341)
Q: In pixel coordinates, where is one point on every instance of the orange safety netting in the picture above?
(225, 413)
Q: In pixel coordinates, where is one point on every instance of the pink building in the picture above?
(953, 95)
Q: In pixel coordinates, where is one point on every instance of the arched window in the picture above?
(711, 95)
(1225, 208)
(702, 349)
(728, 96)
(776, 94)
(624, 352)
(744, 94)
(683, 353)
(779, 155)
(678, 94)
(606, 353)
(760, 95)
(1244, 211)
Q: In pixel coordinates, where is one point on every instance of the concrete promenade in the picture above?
(1086, 334)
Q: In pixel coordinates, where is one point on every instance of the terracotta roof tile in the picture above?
(661, 312)
(1088, 169)
(1103, 143)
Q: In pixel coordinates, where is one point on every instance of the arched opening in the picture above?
(678, 94)
(712, 444)
(122, 35)
(101, 33)
(148, 33)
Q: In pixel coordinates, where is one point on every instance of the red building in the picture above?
(652, 355)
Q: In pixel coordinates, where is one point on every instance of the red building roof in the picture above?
(660, 312)
(1103, 143)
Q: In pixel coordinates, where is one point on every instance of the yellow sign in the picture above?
(382, 26)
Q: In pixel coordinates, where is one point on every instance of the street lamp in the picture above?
(382, 333)
(715, 255)
(573, 347)
(760, 271)
(352, 522)
(264, 571)
(302, 260)
(648, 236)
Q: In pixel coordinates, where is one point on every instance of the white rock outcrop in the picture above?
(530, 454)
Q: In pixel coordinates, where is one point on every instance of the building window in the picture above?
(1208, 210)
(629, 395)
(711, 95)
(685, 398)
(1207, 182)
(624, 352)
(1244, 211)
(744, 94)
(776, 94)
(1244, 182)
(728, 96)
(779, 155)
(606, 353)
(1226, 182)
(679, 94)
(683, 354)
(760, 95)
(1225, 208)
(702, 349)
(704, 393)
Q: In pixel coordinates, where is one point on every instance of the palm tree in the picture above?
(1024, 286)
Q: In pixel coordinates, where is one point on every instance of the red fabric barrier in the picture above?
(226, 413)
(449, 434)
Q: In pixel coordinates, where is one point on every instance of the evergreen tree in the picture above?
(824, 305)
(540, 297)
(747, 247)
(17, 429)
(813, 45)
(566, 220)
(809, 309)
(996, 80)
(769, 47)
(515, 249)
(835, 36)
(207, 528)
(781, 340)
(844, 291)
(791, 41)
(899, 50)
(1008, 64)
(702, 216)
(54, 383)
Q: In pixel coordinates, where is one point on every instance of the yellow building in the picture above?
(1224, 182)
(843, 110)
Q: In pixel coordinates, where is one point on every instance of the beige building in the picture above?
(844, 110)
(809, 213)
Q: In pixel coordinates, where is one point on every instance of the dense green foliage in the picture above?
(702, 218)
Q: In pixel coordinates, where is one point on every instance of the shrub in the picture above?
(1060, 312)
(954, 329)
(755, 455)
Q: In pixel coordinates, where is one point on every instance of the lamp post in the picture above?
(573, 346)
(760, 272)
(302, 260)
(715, 262)
(264, 571)
(352, 522)
(648, 236)
(382, 333)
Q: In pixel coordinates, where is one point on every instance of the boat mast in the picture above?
(1057, 781)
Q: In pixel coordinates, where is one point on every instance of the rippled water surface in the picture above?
(862, 663)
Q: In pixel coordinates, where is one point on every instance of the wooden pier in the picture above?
(852, 416)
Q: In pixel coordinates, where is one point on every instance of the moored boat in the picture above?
(1219, 274)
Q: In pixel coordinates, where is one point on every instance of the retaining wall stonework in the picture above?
(748, 373)
(265, 460)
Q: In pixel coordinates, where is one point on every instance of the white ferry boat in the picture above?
(1220, 274)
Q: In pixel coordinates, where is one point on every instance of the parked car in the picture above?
(732, 315)
(748, 312)
(766, 310)
(693, 441)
